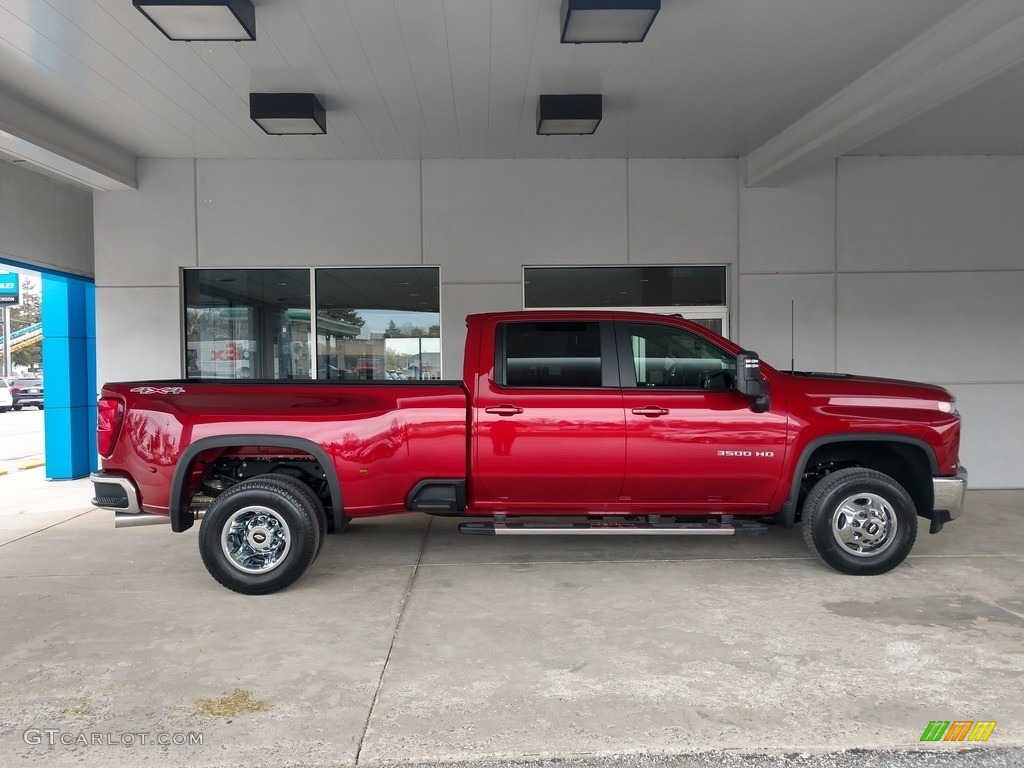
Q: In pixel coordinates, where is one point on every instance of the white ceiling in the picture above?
(787, 83)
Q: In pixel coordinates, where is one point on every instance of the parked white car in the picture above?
(6, 401)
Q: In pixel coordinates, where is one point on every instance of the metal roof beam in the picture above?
(977, 42)
(57, 148)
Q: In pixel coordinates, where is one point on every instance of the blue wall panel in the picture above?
(69, 365)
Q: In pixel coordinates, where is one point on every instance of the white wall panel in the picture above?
(44, 222)
(903, 302)
(459, 300)
(789, 228)
(308, 212)
(993, 421)
(930, 213)
(484, 219)
(765, 320)
(683, 211)
(948, 326)
(143, 236)
(138, 333)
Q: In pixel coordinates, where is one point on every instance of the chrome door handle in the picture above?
(651, 411)
(503, 410)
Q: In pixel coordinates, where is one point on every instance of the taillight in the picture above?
(108, 423)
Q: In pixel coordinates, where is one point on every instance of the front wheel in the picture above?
(860, 521)
(259, 536)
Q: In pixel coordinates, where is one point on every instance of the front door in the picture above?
(692, 441)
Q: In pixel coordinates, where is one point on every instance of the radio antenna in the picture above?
(792, 335)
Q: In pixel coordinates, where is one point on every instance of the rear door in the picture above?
(550, 431)
(692, 441)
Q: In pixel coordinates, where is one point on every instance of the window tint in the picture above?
(669, 357)
(697, 292)
(660, 286)
(553, 355)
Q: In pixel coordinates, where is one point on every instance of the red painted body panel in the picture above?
(382, 438)
(544, 450)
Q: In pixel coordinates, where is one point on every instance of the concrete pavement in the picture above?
(406, 643)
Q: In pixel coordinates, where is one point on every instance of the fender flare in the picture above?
(786, 516)
(181, 517)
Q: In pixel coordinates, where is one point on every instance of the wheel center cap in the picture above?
(259, 538)
(872, 528)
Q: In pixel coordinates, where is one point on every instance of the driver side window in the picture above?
(670, 357)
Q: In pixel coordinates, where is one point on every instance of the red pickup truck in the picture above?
(564, 422)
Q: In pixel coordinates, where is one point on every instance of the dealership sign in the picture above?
(10, 285)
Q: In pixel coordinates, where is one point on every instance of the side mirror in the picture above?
(751, 383)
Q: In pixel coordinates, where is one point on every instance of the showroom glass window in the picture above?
(698, 293)
(247, 323)
(378, 323)
(346, 323)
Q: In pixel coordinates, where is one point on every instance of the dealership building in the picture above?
(841, 190)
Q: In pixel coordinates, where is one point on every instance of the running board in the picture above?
(528, 527)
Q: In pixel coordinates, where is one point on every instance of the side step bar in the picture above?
(528, 527)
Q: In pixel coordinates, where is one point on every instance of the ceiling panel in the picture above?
(461, 78)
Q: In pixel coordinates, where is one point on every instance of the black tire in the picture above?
(281, 538)
(3, 409)
(299, 487)
(15, 407)
(40, 407)
(860, 521)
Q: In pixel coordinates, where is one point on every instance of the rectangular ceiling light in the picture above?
(283, 114)
(607, 21)
(233, 20)
(568, 114)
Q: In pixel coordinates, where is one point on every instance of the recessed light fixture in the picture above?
(568, 114)
(288, 114)
(232, 20)
(607, 21)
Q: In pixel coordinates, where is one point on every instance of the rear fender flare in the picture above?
(181, 516)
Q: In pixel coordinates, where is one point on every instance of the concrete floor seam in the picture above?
(394, 640)
(41, 530)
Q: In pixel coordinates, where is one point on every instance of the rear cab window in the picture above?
(574, 354)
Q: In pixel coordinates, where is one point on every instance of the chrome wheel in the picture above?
(255, 539)
(864, 525)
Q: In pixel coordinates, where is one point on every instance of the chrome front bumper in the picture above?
(950, 493)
